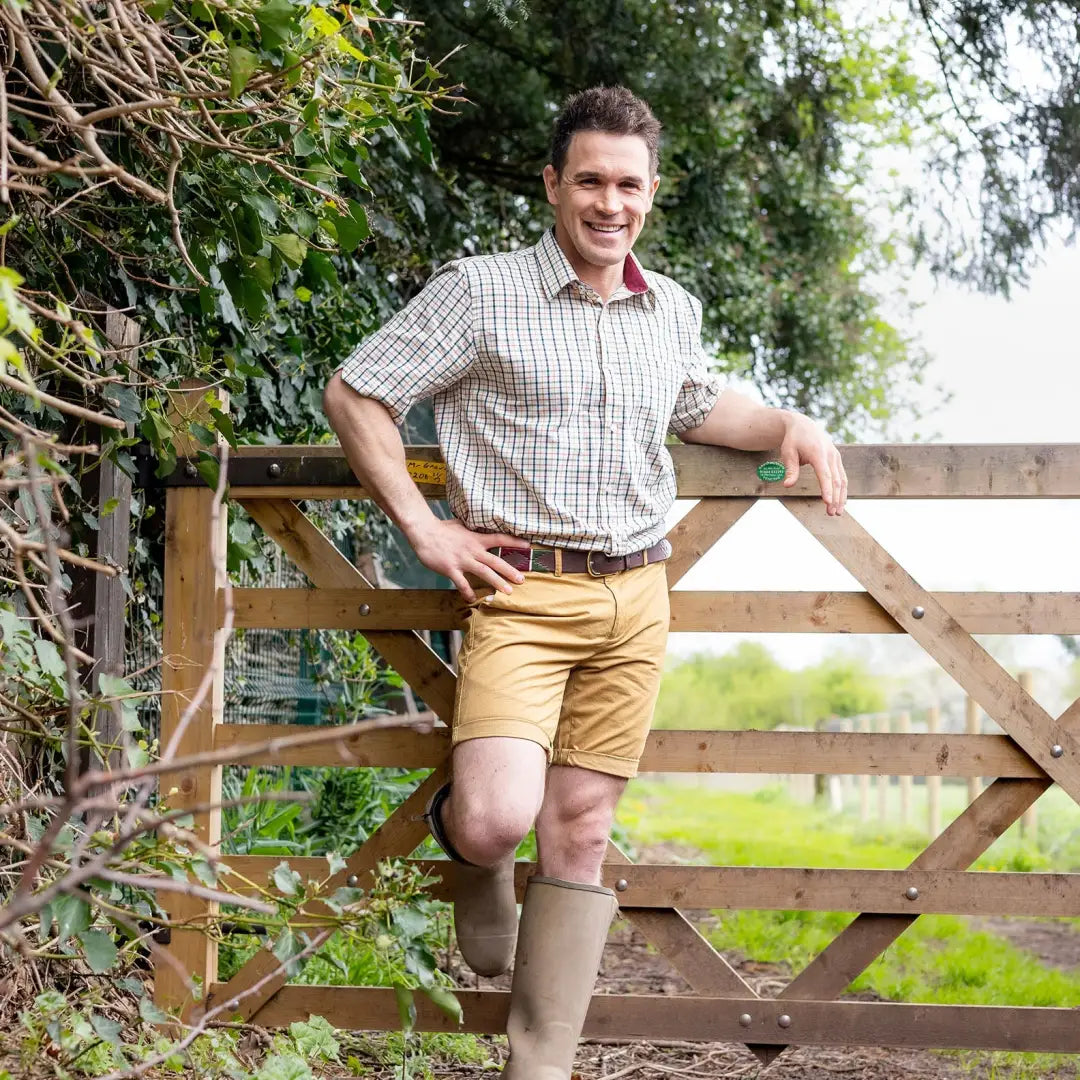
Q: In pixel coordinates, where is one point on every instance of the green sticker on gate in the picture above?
(771, 471)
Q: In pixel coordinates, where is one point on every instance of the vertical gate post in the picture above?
(192, 644)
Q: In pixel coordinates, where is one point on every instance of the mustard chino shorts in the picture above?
(569, 661)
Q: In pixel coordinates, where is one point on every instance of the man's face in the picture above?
(602, 196)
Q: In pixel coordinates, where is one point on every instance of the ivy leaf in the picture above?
(351, 229)
(224, 424)
(242, 65)
(106, 1029)
(292, 248)
(52, 663)
(100, 950)
(72, 915)
(124, 401)
(209, 469)
(337, 863)
(275, 19)
(151, 1013)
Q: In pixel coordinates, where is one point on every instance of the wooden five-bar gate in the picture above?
(1037, 750)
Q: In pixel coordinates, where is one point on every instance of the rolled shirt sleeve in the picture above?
(425, 348)
(701, 387)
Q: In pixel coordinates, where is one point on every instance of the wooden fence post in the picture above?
(191, 643)
(971, 727)
(905, 780)
(933, 783)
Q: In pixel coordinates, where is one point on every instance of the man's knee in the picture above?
(582, 825)
(485, 829)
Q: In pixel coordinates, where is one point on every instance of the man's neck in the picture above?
(604, 279)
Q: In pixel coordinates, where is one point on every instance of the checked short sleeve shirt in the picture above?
(551, 407)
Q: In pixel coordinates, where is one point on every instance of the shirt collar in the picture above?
(556, 272)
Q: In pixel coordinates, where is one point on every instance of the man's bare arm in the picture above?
(374, 450)
(741, 422)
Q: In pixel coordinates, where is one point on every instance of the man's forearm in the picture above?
(374, 450)
(742, 423)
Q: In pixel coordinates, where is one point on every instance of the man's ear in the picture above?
(551, 184)
(652, 190)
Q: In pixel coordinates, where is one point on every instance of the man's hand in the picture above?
(805, 443)
(450, 549)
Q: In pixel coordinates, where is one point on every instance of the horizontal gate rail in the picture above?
(760, 888)
(901, 471)
(697, 612)
(655, 1017)
(696, 751)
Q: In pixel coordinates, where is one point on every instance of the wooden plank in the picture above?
(761, 888)
(711, 1019)
(691, 612)
(259, 980)
(860, 613)
(875, 471)
(699, 530)
(795, 752)
(191, 643)
(388, 748)
(325, 566)
(1002, 697)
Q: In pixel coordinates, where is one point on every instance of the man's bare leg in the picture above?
(497, 791)
(498, 785)
(575, 822)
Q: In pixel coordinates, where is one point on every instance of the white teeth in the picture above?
(603, 228)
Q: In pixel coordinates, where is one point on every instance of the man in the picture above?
(556, 372)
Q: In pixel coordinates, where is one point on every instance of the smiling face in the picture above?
(601, 198)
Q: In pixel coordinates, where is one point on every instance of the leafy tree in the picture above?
(745, 688)
(1011, 73)
(839, 686)
(749, 688)
(771, 112)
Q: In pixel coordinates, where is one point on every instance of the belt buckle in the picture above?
(589, 565)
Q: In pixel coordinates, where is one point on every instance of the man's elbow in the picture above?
(341, 402)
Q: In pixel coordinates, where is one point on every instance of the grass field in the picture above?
(940, 959)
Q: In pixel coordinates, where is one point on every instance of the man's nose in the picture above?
(609, 200)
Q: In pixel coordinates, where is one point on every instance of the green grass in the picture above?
(941, 959)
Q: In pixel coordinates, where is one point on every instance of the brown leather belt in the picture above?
(594, 563)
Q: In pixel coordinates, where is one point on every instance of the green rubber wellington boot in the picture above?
(561, 939)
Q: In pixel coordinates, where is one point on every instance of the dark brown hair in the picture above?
(611, 109)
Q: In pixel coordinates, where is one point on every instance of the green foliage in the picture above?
(748, 688)
(771, 113)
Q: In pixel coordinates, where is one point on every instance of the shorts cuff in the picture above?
(627, 768)
(504, 727)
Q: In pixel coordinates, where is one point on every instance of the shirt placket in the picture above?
(609, 432)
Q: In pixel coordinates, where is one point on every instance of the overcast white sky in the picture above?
(1014, 371)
